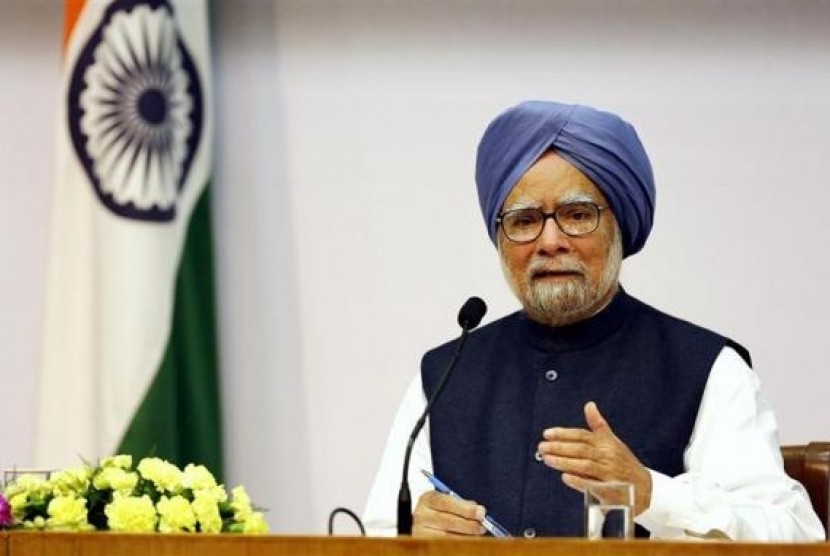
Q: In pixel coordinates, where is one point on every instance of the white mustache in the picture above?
(537, 266)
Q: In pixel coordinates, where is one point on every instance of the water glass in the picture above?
(609, 510)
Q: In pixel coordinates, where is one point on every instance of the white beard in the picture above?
(567, 300)
(558, 297)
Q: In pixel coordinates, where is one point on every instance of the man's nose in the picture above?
(552, 239)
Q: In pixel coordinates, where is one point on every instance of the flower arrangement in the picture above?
(112, 496)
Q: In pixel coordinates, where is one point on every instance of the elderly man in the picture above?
(586, 383)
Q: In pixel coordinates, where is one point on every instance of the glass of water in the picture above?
(609, 510)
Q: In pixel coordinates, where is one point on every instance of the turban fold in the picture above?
(601, 145)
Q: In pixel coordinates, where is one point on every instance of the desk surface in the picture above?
(108, 544)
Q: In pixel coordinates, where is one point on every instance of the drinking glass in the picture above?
(609, 510)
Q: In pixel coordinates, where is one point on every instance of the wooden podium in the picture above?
(24, 543)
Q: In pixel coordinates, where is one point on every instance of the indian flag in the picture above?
(129, 355)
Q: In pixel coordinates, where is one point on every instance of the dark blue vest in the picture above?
(645, 369)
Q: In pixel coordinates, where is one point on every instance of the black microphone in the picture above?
(469, 316)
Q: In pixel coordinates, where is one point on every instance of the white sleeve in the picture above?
(734, 485)
(381, 514)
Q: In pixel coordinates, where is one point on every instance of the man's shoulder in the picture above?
(650, 312)
(683, 328)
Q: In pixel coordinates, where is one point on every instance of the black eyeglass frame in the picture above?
(551, 215)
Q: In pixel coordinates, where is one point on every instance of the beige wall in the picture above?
(348, 233)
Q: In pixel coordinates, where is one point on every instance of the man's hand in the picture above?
(595, 455)
(440, 514)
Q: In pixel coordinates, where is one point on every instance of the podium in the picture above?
(25, 543)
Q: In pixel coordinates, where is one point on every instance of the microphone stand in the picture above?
(404, 495)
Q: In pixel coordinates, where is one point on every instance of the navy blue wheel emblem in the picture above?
(135, 110)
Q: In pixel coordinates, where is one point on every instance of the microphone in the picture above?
(469, 317)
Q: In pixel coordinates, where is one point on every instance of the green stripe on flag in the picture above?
(180, 419)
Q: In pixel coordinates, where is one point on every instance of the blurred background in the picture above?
(347, 227)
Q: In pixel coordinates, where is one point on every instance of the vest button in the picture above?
(537, 456)
(551, 375)
(529, 533)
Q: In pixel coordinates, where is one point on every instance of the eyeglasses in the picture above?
(524, 225)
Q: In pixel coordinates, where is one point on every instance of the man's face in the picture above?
(561, 279)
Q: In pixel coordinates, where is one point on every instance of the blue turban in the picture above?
(601, 145)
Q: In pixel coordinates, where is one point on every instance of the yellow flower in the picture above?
(27, 490)
(36, 523)
(255, 524)
(72, 481)
(115, 478)
(175, 515)
(33, 486)
(166, 476)
(241, 504)
(172, 500)
(18, 504)
(197, 477)
(67, 513)
(206, 510)
(123, 461)
(131, 514)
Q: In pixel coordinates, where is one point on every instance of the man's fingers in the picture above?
(447, 504)
(566, 435)
(574, 466)
(419, 530)
(596, 422)
(575, 481)
(566, 449)
(441, 514)
(446, 524)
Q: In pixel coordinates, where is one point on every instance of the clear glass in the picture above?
(609, 510)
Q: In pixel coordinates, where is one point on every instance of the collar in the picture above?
(582, 334)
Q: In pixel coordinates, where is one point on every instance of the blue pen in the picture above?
(491, 525)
